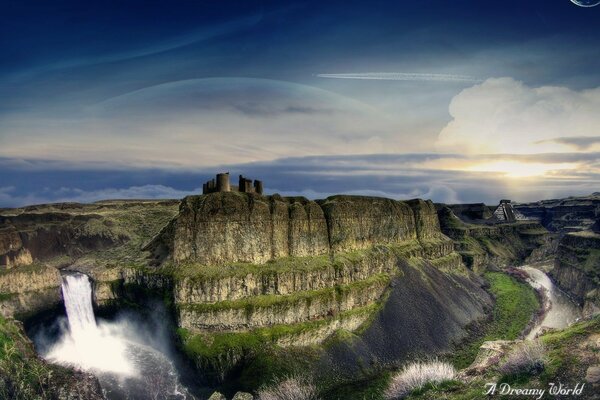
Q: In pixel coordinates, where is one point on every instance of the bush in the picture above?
(291, 388)
(416, 375)
(526, 358)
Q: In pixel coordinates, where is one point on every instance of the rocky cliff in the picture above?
(481, 245)
(238, 227)
(249, 272)
(231, 227)
(564, 215)
(577, 268)
(243, 271)
(101, 239)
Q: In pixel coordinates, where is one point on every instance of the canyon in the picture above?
(245, 275)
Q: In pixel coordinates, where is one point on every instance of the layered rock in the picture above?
(238, 227)
(577, 267)
(356, 222)
(39, 236)
(261, 311)
(564, 215)
(481, 245)
(221, 228)
(27, 290)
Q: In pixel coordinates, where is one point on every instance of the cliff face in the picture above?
(26, 237)
(577, 268)
(99, 239)
(499, 244)
(358, 222)
(237, 227)
(260, 271)
(30, 289)
(222, 228)
(238, 266)
(564, 215)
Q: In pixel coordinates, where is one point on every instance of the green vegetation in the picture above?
(199, 272)
(516, 302)
(6, 296)
(21, 375)
(26, 269)
(367, 389)
(338, 261)
(265, 301)
(569, 353)
(212, 345)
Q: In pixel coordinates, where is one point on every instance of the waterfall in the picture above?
(86, 344)
(118, 352)
(77, 293)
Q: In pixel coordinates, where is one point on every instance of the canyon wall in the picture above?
(564, 215)
(482, 245)
(242, 271)
(577, 268)
(231, 227)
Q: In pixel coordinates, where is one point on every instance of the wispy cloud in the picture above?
(402, 76)
(579, 142)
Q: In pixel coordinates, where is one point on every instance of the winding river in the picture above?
(561, 311)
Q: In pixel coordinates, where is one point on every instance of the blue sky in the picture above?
(458, 101)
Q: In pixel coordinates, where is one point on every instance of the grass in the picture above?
(28, 269)
(567, 355)
(525, 359)
(371, 388)
(418, 376)
(563, 361)
(6, 296)
(22, 376)
(290, 388)
(251, 304)
(212, 344)
(305, 264)
(515, 304)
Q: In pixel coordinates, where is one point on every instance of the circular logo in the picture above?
(586, 3)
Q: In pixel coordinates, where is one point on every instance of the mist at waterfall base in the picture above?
(132, 356)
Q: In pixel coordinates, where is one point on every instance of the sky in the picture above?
(455, 101)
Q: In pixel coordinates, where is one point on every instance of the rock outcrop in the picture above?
(239, 227)
(481, 245)
(221, 228)
(564, 215)
(577, 268)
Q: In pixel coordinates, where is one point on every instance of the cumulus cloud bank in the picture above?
(502, 115)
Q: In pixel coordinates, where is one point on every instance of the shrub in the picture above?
(526, 358)
(418, 374)
(290, 388)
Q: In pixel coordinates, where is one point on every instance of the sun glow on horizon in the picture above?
(518, 169)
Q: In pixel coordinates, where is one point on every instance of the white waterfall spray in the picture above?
(117, 352)
(87, 345)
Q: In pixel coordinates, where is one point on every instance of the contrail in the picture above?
(403, 76)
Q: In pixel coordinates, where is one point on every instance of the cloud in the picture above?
(440, 177)
(402, 76)
(502, 115)
(579, 142)
(203, 122)
(10, 197)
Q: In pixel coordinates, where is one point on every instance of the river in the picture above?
(561, 311)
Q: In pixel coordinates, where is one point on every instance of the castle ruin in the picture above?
(221, 184)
